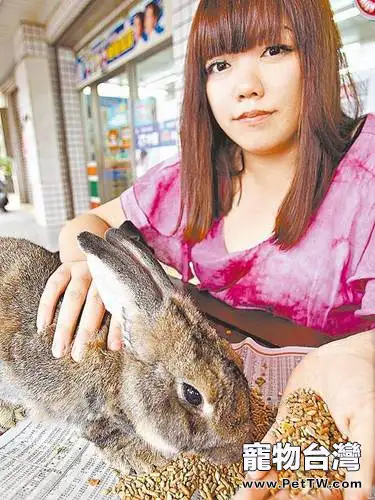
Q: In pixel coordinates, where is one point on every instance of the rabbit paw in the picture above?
(146, 461)
(133, 459)
(142, 461)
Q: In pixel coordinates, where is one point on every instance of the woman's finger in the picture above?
(114, 335)
(285, 494)
(319, 494)
(55, 286)
(70, 310)
(90, 322)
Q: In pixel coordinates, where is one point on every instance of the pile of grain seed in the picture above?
(186, 474)
(263, 414)
(180, 479)
(308, 421)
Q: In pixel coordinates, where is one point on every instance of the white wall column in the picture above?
(42, 142)
(72, 120)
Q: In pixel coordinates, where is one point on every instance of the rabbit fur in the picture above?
(174, 387)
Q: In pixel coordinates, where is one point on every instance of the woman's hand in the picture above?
(81, 295)
(342, 373)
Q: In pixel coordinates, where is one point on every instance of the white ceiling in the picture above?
(341, 4)
(12, 12)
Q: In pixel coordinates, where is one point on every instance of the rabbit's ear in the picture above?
(126, 286)
(129, 238)
(132, 233)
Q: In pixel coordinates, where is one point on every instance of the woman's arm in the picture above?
(97, 221)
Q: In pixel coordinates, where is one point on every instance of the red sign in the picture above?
(367, 8)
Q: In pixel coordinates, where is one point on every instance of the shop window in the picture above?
(155, 110)
(114, 108)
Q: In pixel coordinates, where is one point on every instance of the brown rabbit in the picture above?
(176, 386)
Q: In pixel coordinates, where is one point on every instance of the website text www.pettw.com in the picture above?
(309, 482)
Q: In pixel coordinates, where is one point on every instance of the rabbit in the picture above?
(175, 386)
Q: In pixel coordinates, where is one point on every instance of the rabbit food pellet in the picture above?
(186, 474)
(308, 421)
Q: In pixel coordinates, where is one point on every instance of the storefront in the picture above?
(127, 82)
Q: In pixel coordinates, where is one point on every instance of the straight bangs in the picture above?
(236, 26)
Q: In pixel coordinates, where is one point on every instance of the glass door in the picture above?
(90, 146)
(155, 110)
(114, 106)
(130, 118)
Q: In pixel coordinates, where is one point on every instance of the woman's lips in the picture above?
(254, 119)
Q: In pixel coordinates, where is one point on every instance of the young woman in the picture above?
(272, 202)
(152, 16)
(138, 23)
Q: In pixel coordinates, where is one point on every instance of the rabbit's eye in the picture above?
(191, 395)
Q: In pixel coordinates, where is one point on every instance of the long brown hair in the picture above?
(208, 159)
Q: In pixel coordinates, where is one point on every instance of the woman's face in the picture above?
(138, 27)
(150, 20)
(255, 96)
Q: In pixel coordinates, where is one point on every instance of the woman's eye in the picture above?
(275, 50)
(217, 67)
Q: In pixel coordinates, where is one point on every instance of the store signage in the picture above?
(145, 111)
(156, 135)
(367, 8)
(144, 26)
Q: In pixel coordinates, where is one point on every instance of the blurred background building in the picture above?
(90, 93)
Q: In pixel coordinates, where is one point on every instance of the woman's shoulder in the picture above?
(369, 126)
(156, 195)
(359, 161)
(366, 138)
(164, 176)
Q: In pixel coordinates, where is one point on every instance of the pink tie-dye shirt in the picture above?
(326, 281)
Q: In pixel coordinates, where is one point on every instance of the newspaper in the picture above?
(273, 364)
(41, 461)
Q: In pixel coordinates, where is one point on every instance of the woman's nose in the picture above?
(250, 85)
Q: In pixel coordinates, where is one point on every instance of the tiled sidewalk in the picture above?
(20, 222)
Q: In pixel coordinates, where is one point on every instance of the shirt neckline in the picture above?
(239, 252)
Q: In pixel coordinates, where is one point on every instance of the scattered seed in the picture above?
(93, 482)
